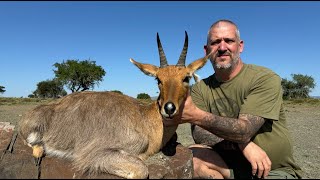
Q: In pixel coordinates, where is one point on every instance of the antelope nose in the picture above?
(169, 108)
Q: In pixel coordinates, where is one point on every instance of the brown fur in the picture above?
(97, 125)
(107, 131)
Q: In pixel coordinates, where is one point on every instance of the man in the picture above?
(237, 115)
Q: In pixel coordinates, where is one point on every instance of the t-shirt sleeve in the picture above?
(265, 97)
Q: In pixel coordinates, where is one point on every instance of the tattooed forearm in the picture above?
(202, 136)
(237, 130)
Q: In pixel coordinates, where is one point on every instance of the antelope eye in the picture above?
(186, 79)
(158, 81)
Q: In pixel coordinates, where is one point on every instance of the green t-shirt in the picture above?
(257, 91)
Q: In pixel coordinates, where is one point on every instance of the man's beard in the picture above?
(228, 66)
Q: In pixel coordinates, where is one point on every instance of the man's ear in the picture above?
(241, 46)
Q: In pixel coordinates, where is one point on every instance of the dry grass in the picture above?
(20, 101)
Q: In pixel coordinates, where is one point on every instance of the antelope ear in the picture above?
(147, 69)
(196, 77)
(197, 64)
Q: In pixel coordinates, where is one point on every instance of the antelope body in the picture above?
(110, 132)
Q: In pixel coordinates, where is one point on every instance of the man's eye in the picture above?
(229, 41)
(215, 42)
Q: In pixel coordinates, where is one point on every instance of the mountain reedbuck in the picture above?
(110, 132)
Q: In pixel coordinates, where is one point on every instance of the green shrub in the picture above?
(143, 96)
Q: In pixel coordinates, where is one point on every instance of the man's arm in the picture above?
(236, 130)
(202, 136)
(259, 160)
(239, 130)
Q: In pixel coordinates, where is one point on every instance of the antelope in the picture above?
(107, 132)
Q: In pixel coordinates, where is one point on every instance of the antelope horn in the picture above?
(163, 59)
(182, 58)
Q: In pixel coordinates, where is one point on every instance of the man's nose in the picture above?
(222, 46)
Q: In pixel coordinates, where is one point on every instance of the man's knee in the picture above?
(201, 170)
(197, 163)
(207, 163)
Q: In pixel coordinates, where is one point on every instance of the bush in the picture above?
(143, 96)
(117, 91)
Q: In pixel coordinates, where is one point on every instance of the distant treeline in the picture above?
(84, 75)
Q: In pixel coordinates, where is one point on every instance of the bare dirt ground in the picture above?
(303, 122)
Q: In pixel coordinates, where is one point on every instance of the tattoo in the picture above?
(202, 136)
(239, 130)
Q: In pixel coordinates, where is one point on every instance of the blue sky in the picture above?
(283, 36)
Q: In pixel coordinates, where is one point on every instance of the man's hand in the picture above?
(260, 162)
(188, 113)
(177, 119)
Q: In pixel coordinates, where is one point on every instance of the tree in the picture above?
(79, 75)
(299, 87)
(288, 88)
(2, 89)
(49, 89)
(143, 96)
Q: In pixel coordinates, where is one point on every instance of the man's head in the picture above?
(225, 44)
